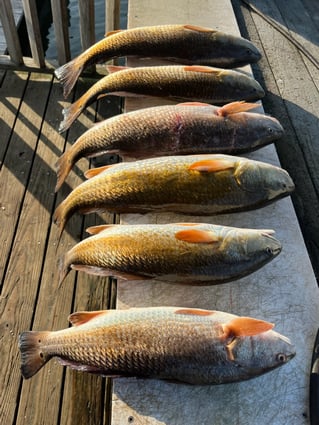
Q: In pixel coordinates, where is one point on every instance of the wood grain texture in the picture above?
(10, 31)
(34, 34)
(60, 21)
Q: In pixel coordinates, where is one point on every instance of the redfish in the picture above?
(183, 43)
(185, 253)
(172, 343)
(197, 83)
(186, 128)
(187, 184)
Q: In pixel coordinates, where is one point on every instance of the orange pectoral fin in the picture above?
(199, 68)
(212, 165)
(194, 312)
(94, 230)
(81, 317)
(246, 326)
(196, 236)
(235, 107)
(92, 172)
(198, 28)
(112, 32)
(114, 68)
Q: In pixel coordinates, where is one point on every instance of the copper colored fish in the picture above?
(173, 343)
(185, 43)
(187, 253)
(185, 128)
(187, 184)
(199, 83)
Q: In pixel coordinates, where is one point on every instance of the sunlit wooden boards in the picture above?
(284, 292)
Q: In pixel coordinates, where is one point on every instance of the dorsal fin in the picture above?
(81, 317)
(114, 68)
(245, 326)
(196, 236)
(112, 32)
(199, 68)
(194, 312)
(212, 165)
(92, 172)
(235, 107)
(187, 224)
(194, 104)
(198, 28)
(94, 230)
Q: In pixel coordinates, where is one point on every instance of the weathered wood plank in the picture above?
(52, 305)
(12, 88)
(10, 31)
(60, 22)
(34, 34)
(20, 284)
(112, 15)
(87, 32)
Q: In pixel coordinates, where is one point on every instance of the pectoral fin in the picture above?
(80, 317)
(196, 236)
(94, 230)
(245, 326)
(212, 165)
(194, 312)
(199, 68)
(235, 107)
(114, 68)
(198, 28)
(92, 172)
(112, 32)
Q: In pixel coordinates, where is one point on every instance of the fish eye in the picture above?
(281, 358)
(270, 130)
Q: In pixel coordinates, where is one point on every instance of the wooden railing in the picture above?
(15, 58)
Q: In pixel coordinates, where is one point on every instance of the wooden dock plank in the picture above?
(18, 290)
(283, 292)
(12, 89)
(53, 304)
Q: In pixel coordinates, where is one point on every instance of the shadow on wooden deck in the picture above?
(31, 106)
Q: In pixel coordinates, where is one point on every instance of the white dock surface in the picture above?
(284, 292)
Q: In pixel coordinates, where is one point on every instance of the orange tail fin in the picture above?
(63, 167)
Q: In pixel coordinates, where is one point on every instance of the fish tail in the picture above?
(64, 269)
(69, 73)
(60, 218)
(71, 113)
(63, 167)
(32, 356)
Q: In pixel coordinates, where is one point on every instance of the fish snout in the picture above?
(257, 92)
